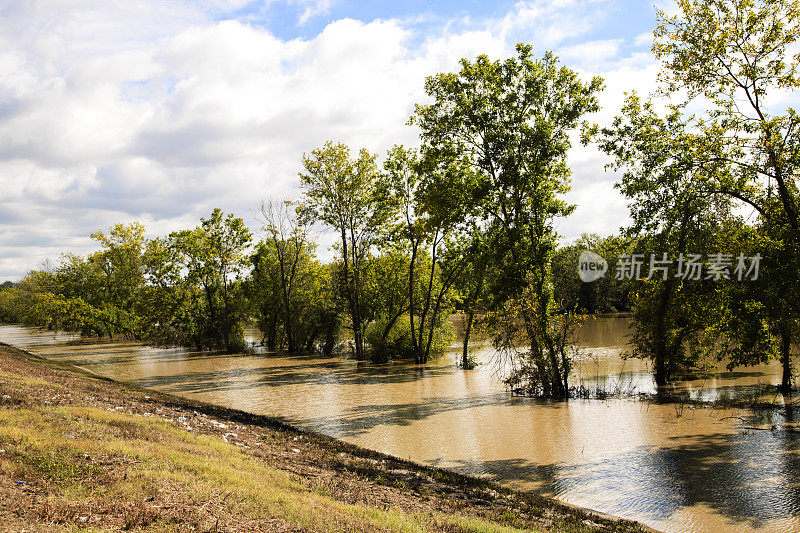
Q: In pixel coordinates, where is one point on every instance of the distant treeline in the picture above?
(202, 287)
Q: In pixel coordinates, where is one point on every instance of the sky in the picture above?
(159, 111)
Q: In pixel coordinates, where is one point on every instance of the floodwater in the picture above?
(672, 467)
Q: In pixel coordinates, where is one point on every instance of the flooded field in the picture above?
(673, 467)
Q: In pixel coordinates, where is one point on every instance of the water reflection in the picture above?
(674, 469)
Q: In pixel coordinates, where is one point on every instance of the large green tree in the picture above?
(291, 293)
(294, 252)
(509, 123)
(430, 199)
(348, 195)
(674, 215)
(215, 256)
(736, 57)
(102, 294)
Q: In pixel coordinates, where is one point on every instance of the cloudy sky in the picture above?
(160, 111)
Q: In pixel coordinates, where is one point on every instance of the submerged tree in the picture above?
(429, 199)
(674, 217)
(214, 255)
(264, 292)
(736, 55)
(290, 291)
(347, 195)
(604, 295)
(471, 283)
(682, 173)
(509, 122)
(289, 239)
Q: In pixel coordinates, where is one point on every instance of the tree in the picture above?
(263, 288)
(291, 292)
(509, 123)
(293, 251)
(168, 298)
(97, 295)
(214, 255)
(431, 209)
(736, 55)
(387, 302)
(403, 171)
(604, 295)
(31, 300)
(121, 259)
(349, 196)
(674, 213)
(120, 267)
(472, 283)
(184, 289)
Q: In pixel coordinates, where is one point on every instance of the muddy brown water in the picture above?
(672, 467)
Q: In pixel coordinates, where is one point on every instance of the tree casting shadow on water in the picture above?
(749, 477)
(305, 371)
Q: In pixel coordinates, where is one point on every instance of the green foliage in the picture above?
(508, 123)
(386, 286)
(294, 285)
(166, 300)
(264, 294)
(295, 307)
(673, 213)
(430, 199)
(214, 256)
(183, 289)
(737, 55)
(605, 295)
(85, 295)
(392, 339)
(348, 195)
(386, 293)
(443, 336)
(121, 263)
(8, 313)
(389, 339)
(682, 173)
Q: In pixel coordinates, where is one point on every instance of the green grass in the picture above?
(91, 456)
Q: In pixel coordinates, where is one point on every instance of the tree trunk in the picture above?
(330, 342)
(557, 385)
(786, 380)
(559, 390)
(350, 294)
(422, 356)
(664, 358)
(359, 342)
(411, 306)
(661, 369)
(662, 354)
(473, 298)
(467, 331)
(272, 334)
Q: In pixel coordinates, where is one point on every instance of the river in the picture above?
(672, 467)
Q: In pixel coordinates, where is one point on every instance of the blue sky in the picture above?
(286, 19)
(161, 111)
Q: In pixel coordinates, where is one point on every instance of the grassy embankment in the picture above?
(78, 451)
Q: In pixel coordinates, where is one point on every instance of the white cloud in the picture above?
(548, 24)
(158, 112)
(591, 55)
(644, 39)
(312, 9)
